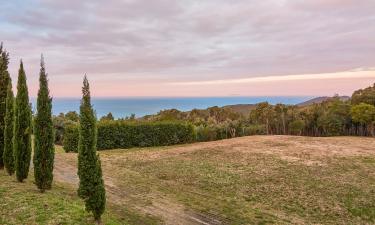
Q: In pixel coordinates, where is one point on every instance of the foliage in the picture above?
(72, 116)
(364, 114)
(123, 134)
(60, 123)
(22, 128)
(44, 151)
(109, 117)
(91, 185)
(296, 127)
(366, 95)
(9, 129)
(4, 80)
(71, 138)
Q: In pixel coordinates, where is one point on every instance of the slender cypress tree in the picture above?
(91, 185)
(22, 128)
(4, 80)
(44, 151)
(8, 156)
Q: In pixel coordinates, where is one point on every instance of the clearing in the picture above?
(248, 180)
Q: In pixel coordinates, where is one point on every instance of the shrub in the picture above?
(206, 133)
(254, 130)
(120, 134)
(71, 137)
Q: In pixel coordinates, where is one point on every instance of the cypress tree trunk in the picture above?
(91, 185)
(8, 133)
(44, 150)
(22, 128)
(4, 80)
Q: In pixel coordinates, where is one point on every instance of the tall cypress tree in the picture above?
(22, 128)
(91, 185)
(44, 151)
(8, 132)
(4, 80)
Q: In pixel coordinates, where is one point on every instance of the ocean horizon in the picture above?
(141, 106)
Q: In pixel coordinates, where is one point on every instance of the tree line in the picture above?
(334, 116)
(18, 125)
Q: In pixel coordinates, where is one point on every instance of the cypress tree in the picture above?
(22, 128)
(8, 132)
(4, 80)
(44, 151)
(91, 185)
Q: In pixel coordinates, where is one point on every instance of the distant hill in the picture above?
(243, 109)
(320, 100)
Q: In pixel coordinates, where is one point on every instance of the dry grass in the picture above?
(258, 179)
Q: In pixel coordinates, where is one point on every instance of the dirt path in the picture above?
(172, 213)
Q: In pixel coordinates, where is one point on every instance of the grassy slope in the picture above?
(247, 180)
(22, 203)
(259, 180)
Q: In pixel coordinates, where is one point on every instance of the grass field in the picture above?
(249, 180)
(22, 203)
(259, 179)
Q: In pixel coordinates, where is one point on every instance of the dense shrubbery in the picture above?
(120, 134)
(62, 121)
(214, 132)
(71, 137)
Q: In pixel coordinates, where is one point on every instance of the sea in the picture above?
(141, 106)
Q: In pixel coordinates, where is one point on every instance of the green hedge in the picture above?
(70, 138)
(119, 134)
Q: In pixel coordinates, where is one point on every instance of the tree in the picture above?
(8, 132)
(4, 80)
(108, 117)
(44, 151)
(296, 127)
(22, 128)
(263, 114)
(364, 114)
(72, 115)
(366, 95)
(91, 185)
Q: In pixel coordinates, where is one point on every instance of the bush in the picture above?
(215, 132)
(120, 134)
(71, 137)
(254, 130)
(206, 133)
(59, 124)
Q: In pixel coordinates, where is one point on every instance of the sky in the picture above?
(176, 48)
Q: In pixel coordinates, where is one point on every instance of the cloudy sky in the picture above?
(193, 47)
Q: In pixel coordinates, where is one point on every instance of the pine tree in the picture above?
(4, 80)
(8, 132)
(91, 185)
(44, 151)
(22, 128)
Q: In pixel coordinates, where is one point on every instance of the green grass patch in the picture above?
(22, 203)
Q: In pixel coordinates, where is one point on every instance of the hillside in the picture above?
(243, 109)
(320, 100)
(248, 180)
